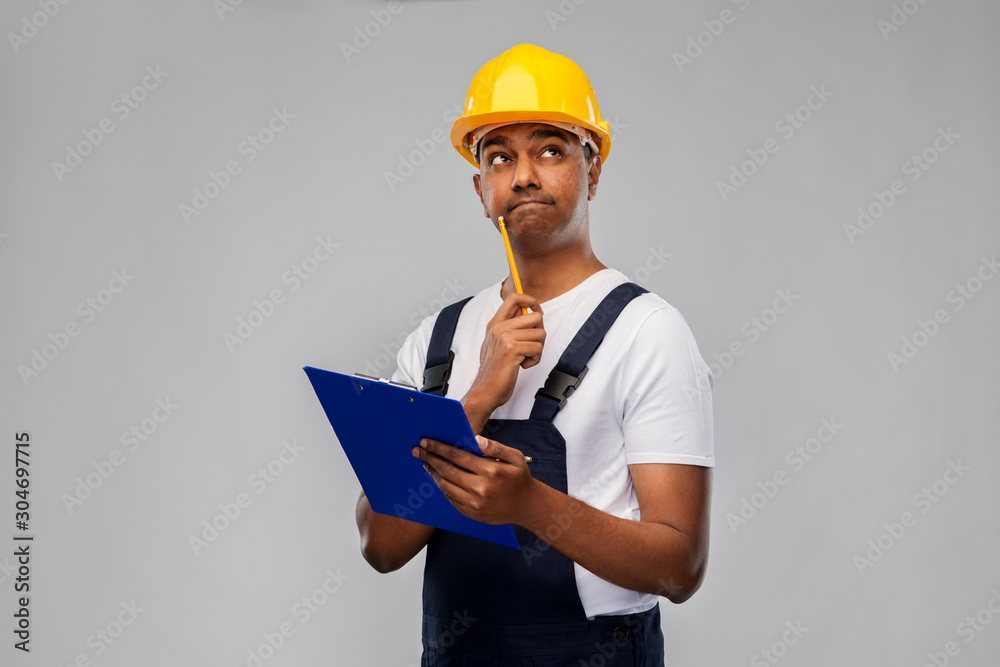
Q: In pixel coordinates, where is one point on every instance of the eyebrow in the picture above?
(539, 133)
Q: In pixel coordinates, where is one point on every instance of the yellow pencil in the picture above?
(510, 259)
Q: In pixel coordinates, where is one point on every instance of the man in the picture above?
(593, 409)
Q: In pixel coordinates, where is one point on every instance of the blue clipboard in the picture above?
(378, 424)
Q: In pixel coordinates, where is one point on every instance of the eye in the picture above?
(551, 150)
(498, 158)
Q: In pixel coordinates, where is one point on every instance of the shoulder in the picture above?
(660, 334)
(652, 344)
(648, 317)
(661, 321)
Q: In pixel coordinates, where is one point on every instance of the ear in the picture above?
(593, 176)
(477, 182)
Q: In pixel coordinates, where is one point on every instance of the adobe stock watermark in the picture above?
(386, 359)
(88, 309)
(425, 147)
(595, 486)
(968, 630)
(446, 638)
(561, 522)
(616, 127)
(31, 24)
(588, 494)
(248, 149)
(7, 570)
(605, 652)
(926, 330)
(223, 7)
(562, 12)
(900, 16)
(132, 439)
(363, 35)
(656, 259)
(415, 499)
(923, 501)
(796, 458)
(122, 107)
(704, 384)
(703, 39)
(264, 309)
(786, 127)
(302, 611)
(104, 637)
(752, 329)
(259, 481)
(779, 648)
(418, 496)
(915, 167)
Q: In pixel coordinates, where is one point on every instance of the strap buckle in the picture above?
(436, 377)
(559, 385)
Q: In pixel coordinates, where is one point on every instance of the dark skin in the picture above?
(539, 178)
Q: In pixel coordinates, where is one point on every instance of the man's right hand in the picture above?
(513, 341)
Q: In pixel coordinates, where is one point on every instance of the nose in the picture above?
(525, 175)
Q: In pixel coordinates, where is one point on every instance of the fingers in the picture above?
(495, 450)
(512, 341)
(511, 307)
(522, 342)
(516, 332)
(489, 488)
(517, 345)
(509, 337)
(442, 455)
(517, 322)
(525, 353)
(458, 465)
(506, 335)
(450, 468)
(455, 493)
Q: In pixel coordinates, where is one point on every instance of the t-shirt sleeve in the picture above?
(667, 395)
(412, 355)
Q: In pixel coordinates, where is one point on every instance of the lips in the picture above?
(527, 201)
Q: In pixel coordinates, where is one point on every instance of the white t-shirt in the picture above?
(646, 398)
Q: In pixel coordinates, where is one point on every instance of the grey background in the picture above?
(679, 131)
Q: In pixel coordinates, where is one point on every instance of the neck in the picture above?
(549, 274)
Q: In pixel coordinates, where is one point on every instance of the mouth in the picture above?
(525, 203)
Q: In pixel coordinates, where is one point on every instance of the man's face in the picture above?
(538, 178)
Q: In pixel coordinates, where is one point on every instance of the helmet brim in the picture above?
(465, 125)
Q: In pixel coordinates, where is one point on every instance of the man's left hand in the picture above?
(495, 488)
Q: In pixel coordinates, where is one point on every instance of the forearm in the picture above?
(387, 542)
(638, 555)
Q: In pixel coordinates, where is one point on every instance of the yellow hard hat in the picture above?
(530, 84)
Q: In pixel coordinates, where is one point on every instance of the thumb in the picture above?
(494, 449)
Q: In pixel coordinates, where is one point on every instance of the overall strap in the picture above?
(572, 365)
(439, 354)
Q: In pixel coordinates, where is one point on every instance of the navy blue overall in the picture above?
(485, 604)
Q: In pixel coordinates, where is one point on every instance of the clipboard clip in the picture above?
(384, 381)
